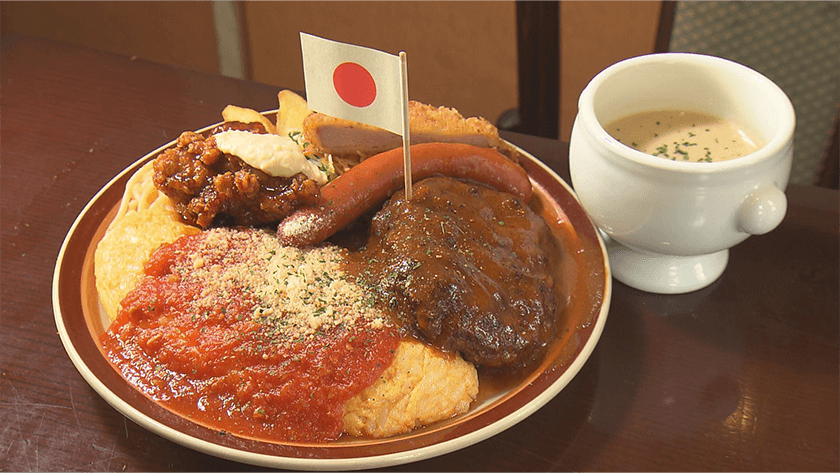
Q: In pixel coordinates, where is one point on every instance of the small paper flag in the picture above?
(353, 82)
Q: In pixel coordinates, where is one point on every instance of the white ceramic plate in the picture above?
(80, 321)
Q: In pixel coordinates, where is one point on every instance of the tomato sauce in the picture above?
(219, 365)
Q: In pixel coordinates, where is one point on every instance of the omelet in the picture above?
(422, 385)
(146, 219)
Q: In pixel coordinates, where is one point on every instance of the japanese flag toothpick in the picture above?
(359, 84)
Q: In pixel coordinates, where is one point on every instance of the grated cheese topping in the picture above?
(297, 292)
(299, 224)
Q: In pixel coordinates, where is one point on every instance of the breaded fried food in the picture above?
(146, 219)
(422, 385)
(344, 138)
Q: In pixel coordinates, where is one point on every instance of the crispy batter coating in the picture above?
(344, 138)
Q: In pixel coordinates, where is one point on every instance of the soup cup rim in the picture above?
(773, 148)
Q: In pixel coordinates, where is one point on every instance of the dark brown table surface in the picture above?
(742, 375)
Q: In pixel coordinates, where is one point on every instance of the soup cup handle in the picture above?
(762, 210)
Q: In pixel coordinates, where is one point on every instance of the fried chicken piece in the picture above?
(344, 138)
(209, 187)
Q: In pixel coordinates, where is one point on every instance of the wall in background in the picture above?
(594, 35)
(179, 33)
(460, 54)
(463, 54)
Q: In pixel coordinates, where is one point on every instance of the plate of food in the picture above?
(263, 290)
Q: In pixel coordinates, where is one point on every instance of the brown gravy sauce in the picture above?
(568, 257)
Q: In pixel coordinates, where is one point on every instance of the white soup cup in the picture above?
(669, 224)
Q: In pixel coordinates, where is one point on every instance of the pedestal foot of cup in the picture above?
(665, 274)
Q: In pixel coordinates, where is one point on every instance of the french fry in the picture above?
(292, 110)
(232, 113)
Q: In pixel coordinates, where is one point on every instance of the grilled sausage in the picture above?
(372, 181)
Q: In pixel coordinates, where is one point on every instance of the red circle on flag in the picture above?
(354, 84)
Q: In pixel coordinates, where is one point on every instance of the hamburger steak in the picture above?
(466, 268)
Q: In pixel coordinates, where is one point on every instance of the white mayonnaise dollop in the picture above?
(275, 155)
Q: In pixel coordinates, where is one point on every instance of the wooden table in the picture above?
(742, 375)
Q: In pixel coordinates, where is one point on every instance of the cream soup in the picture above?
(683, 136)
